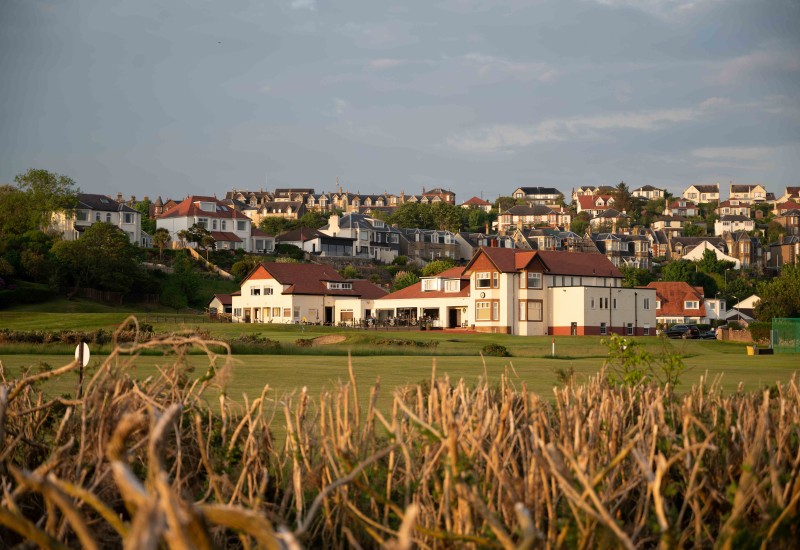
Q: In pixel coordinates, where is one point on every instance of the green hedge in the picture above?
(26, 294)
(760, 331)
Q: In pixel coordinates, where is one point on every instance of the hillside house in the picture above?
(702, 193)
(92, 208)
(230, 229)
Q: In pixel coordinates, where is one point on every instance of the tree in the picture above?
(148, 225)
(403, 279)
(312, 220)
(185, 277)
(446, 216)
(183, 235)
(209, 243)
(624, 201)
(781, 296)
(15, 218)
(241, 268)
(437, 266)
(274, 225)
(710, 264)
(47, 193)
(634, 276)
(774, 232)
(504, 203)
(692, 230)
(580, 223)
(161, 239)
(349, 272)
(103, 258)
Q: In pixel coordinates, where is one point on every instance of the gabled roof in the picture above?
(788, 205)
(301, 234)
(224, 299)
(588, 202)
(792, 212)
(712, 188)
(475, 201)
(611, 213)
(190, 207)
(313, 278)
(647, 188)
(102, 203)
(673, 295)
(508, 260)
(744, 188)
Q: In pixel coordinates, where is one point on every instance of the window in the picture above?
(495, 280)
(296, 312)
(223, 225)
(287, 312)
(452, 286)
(614, 303)
(495, 310)
(128, 217)
(430, 284)
(603, 329)
(647, 329)
(534, 310)
(340, 286)
(691, 305)
(82, 216)
(483, 311)
(534, 280)
(523, 310)
(108, 217)
(255, 291)
(629, 329)
(346, 315)
(237, 312)
(214, 225)
(276, 312)
(240, 225)
(202, 222)
(97, 216)
(646, 304)
(593, 304)
(483, 280)
(267, 291)
(658, 304)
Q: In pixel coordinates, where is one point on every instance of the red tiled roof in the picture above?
(312, 279)
(415, 292)
(587, 202)
(673, 295)
(256, 232)
(188, 208)
(476, 201)
(225, 236)
(788, 205)
(577, 263)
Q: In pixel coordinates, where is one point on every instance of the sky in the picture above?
(180, 97)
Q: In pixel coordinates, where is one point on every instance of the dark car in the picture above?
(683, 331)
(708, 335)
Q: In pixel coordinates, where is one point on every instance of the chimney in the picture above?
(119, 197)
(333, 224)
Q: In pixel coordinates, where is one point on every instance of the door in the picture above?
(329, 315)
(452, 316)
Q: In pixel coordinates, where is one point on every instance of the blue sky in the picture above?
(480, 96)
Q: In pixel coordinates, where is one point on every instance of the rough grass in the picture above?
(444, 462)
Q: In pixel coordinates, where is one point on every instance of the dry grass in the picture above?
(148, 463)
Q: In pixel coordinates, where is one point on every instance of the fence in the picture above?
(786, 335)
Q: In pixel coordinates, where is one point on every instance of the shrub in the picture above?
(495, 350)
(760, 332)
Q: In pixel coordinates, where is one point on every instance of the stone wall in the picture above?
(731, 335)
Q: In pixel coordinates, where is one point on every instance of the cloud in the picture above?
(339, 105)
(658, 7)
(303, 4)
(386, 63)
(757, 63)
(508, 137)
(487, 65)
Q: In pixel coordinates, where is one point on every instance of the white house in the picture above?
(648, 192)
(231, 229)
(702, 193)
(733, 223)
(295, 293)
(558, 293)
(93, 208)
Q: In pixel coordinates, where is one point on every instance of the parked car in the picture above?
(683, 331)
(709, 335)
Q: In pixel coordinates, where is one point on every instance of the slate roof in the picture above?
(714, 188)
(734, 218)
(524, 210)
(225, 236)
(224, 299)
(302, 234)
(101, 203)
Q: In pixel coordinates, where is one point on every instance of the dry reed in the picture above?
(149, 463)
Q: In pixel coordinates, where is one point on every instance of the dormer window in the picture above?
(339, 286)
(691, 304)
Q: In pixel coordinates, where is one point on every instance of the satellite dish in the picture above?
(86, 353)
